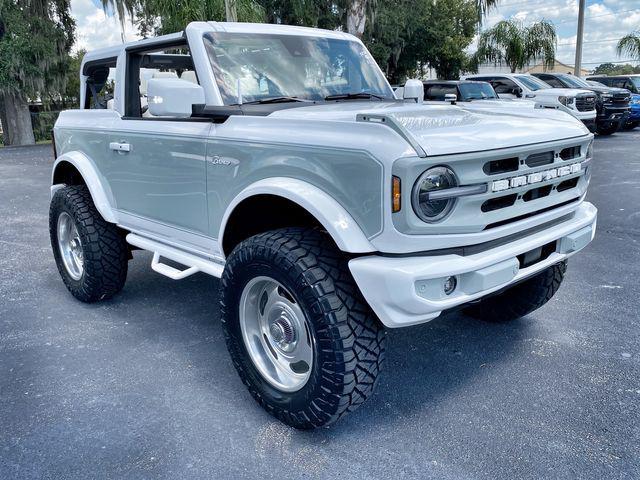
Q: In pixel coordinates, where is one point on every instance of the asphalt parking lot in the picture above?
(142, 386)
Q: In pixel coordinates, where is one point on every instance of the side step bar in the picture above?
(160, 250)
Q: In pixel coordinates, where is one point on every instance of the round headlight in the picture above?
(435, 179)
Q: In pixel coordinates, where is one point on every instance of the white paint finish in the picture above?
(389, 284)
(440, 128)
(193, 262)
(193, 242)
(547, 97)
(333, 217)
(173, 97)
(100, 191)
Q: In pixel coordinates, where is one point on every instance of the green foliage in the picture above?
(34, 49)
(309, 13)
(158, 17)
(630, 45)
(408, 34)
(516, 45)
(614, 69)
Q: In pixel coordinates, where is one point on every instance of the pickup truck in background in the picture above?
(612, 104)
(277, 159)
(579, 103)
(630, 83)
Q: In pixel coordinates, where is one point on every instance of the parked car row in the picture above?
(604, 106)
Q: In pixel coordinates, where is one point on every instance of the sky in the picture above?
(605, 22)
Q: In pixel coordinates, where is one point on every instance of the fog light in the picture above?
(450, 284)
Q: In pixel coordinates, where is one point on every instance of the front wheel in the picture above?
(91, 254)
(299, 333)
(521, 299)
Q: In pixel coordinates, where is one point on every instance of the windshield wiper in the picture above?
(349, 96)
(275, 100)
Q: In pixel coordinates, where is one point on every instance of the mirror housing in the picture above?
(517, 91)
(451, 97)
(173, 97)
(414, 91)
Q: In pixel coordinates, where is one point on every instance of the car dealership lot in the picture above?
(142, 386)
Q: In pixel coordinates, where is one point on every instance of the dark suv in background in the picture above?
(628, 82)
(612, 104)
(464, 90)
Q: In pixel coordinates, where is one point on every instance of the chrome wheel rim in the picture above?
(70, 246)
(276, 334)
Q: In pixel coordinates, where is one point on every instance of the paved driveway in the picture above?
(142, 386)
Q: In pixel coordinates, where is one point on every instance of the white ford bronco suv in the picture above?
(278, 159)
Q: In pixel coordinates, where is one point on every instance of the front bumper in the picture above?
(405, 291)
(612, 115)
(634, 114)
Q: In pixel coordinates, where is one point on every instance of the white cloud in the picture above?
(95, 29)
(606, 21)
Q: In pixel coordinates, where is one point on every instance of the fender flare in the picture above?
(344, 230)
(100, 191)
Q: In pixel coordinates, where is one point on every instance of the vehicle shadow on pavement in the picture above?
(425, 365)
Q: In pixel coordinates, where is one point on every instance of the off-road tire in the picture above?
(348, 338)
(521, 299)
(104, 247)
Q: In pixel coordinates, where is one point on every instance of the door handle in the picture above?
(120, 147)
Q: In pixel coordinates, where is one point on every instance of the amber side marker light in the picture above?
(396, 194)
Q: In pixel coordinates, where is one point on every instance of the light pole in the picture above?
(578, 64)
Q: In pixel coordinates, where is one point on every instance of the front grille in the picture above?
(621, 99)
(539, 159)
(498, 203)
(586, 103)
(502, 165)
(530, 214)
(570, 153)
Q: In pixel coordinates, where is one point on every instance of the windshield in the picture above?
(636, 82)
(573, 81)
(476, 91)
(532, 83)
(309, 68)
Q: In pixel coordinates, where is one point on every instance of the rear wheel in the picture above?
(521, 299)
(91, 254)
(299, 333)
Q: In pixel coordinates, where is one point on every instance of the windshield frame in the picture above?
(381, 87)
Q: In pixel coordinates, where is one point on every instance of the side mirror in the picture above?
(517, 91)
(413, 91)
(172, 97)
(450, 97)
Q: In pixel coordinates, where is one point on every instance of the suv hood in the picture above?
(449, 129)
(565, 92)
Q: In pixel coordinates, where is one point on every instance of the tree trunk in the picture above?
(3, 121)
(231, 11)
(356, 17)
(16, 120)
